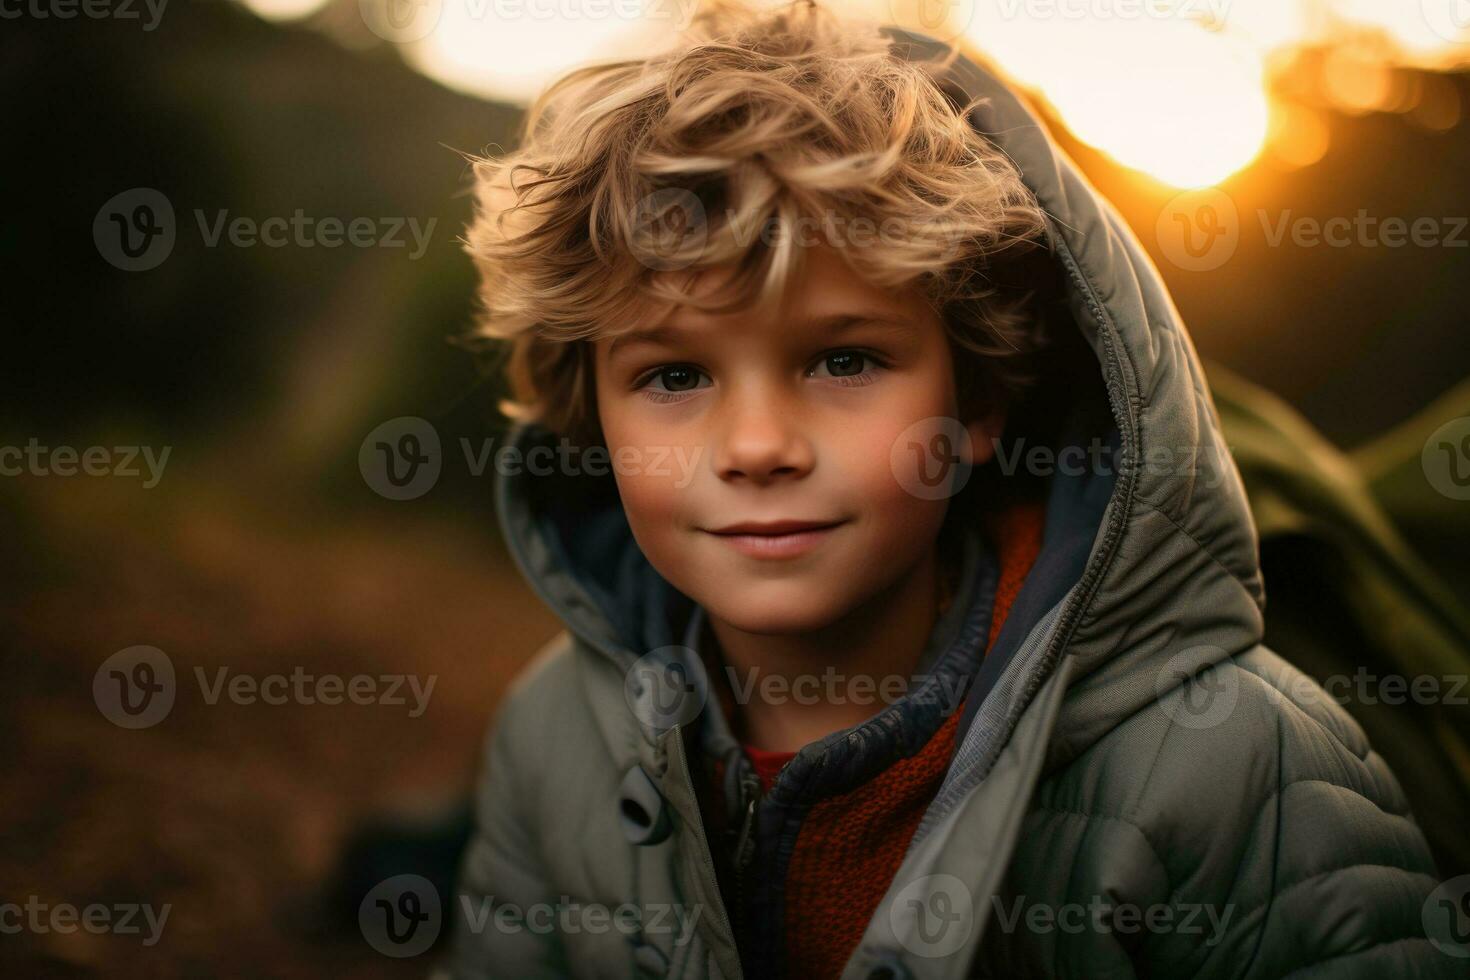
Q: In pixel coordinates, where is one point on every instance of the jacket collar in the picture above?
(848, 758)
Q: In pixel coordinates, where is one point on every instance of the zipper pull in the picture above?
(750, 785)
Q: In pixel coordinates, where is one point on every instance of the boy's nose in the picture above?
(762, 443)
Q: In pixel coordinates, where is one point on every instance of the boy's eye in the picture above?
(680, 378)
(845, 363)
(849, 367)
(673, 378)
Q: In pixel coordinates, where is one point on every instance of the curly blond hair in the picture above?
(727, 151)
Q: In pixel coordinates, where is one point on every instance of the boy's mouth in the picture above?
(776, 539)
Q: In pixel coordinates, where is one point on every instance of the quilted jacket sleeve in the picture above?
(1280, 821)
(501, 867)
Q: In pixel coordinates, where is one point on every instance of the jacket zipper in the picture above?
(750, 787)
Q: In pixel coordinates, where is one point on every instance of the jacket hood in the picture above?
(1148, 571)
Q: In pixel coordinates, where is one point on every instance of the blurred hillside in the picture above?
(280, 353)
(298, 348)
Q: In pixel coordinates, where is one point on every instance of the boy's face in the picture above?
(781, 416)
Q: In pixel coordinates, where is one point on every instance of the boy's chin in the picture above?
(795, 611)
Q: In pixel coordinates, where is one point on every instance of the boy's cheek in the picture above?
(657, 511)
(649, 498)
(876, 477)
(871, 459)
(902, 524)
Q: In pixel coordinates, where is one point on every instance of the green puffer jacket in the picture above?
(1139, 788)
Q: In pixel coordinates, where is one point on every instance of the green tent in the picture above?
(1348, 598)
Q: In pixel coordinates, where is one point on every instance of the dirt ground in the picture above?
(230, 813)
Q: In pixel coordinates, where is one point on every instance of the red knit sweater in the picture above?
(850, 846)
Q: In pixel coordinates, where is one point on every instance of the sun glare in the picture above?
(1181, 90)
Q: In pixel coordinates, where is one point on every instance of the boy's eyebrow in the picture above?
(836, 323)
(842, 322)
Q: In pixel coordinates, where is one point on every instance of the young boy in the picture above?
(913, 610)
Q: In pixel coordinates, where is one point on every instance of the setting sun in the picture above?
(1182, 90)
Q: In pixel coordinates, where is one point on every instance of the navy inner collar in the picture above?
(846, 759)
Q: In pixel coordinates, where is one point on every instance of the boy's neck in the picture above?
(883, 639)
